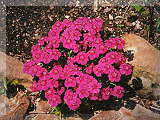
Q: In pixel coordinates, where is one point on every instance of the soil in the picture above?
(26, 24)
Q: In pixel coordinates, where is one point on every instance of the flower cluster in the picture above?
(72, 60)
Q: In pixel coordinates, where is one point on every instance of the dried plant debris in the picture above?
(26, 24)
(15, 108)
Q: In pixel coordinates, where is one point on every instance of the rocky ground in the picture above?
(26, 24)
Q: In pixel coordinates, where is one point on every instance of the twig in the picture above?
(95, 6)
(129, 4)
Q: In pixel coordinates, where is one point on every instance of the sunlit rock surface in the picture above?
(146, 63)
(139, 113)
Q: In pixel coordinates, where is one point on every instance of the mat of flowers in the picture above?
(75, 62)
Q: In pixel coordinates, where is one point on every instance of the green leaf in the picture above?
(15, 82)
(120, 25)
(56, 111)
(138, 8)
(158, 25)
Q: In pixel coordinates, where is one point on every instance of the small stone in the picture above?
(107, 9)
(67, 16)
(110, 17)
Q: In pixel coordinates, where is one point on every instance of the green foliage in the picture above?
(56, 111)
(120, 25)
(70, 53)
(15, 82)
(138, 8)
(158, 25)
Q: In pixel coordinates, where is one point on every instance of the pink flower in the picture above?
(88, 38)
(50, 92)
(101, 48)
(45, 57)
(106, 92)
(113, 57)
(68, 43)
(96, 42)
(61, 91)
(67, 22)
(37, 56)
(122, 59)
(89, 69)
(107, 68)
(77, 76)
(69, 96)
(94, 87)
(98, 70)
(82, 92)
(57, 26)
(82, 58)
(125, 69)
(54, 100)
(54, 54)
(54, 42)
(118, 91)
(70, 69)
(74, 104)
(35, 48)
(42, 73)
(27, 66)
(53, 83)
(93, 96)
(34, 87)
(43, 84)
(102, 60)
(114, 76)
(97, 24)
(55, 72)
(116, 43)
(41, 41)
(93, 53)
(35, 70)
(70, 82)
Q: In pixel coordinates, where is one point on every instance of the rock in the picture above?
(74, 118)
(42, 107)
(139, 113)
(145, 55)
(45, 117)
(146, 63)
(3, 105)
(15, 107)
(12, 69)
(107, 115)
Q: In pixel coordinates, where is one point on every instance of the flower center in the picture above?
(68, 41)
(114, 74)
(81, 57)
